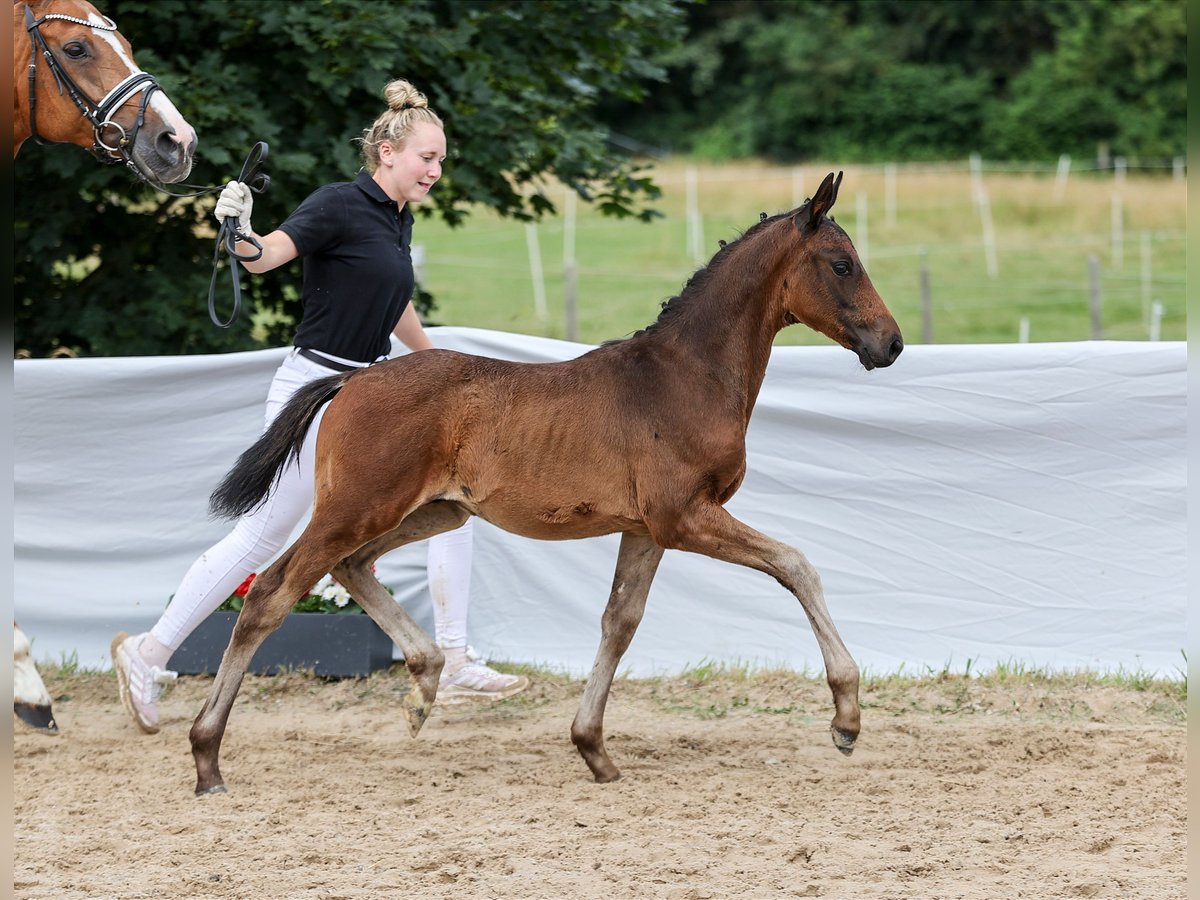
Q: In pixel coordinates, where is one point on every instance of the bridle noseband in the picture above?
(99, 115)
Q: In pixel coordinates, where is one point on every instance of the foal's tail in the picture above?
(248, 483)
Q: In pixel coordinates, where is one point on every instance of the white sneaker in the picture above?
(474, 678)
(139, 684)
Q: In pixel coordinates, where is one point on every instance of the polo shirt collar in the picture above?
(370, 187)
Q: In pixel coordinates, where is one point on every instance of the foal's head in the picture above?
(824, 285)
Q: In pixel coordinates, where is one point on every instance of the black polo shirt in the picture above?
(358, 273)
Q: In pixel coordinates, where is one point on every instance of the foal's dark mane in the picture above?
(700, 278)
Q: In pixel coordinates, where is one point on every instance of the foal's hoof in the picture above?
(215, 789)
(843, 740)
(416, 709)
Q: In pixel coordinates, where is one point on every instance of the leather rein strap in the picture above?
(229, 236)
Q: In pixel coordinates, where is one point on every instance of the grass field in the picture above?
(480, 273)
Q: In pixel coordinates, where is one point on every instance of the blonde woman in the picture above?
(355, 240)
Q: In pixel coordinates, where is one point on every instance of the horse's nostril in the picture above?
(895, 348)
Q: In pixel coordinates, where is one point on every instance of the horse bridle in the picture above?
(99, 115)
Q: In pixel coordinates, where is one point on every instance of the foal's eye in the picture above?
(842, 268)
(75, 50)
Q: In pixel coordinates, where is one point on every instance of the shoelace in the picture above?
(151, 680)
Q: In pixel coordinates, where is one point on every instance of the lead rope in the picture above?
(229, 236)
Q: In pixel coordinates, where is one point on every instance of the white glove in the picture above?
(236, 201)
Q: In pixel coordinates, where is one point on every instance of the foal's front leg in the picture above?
(711, 530)
(637, 562)
(270, 600)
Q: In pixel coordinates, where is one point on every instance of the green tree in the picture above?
(1117, 74)
(872, 80)
(107, 267)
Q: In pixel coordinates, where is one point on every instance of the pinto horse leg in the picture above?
(712, 531)
(637, 561)
(271, 598)
(422, 657)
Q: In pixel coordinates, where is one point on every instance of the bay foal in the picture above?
(645, 436)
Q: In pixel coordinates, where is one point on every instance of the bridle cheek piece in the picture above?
(99, 115)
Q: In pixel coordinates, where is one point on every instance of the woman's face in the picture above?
(406, 173)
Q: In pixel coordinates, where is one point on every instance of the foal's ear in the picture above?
(818, 207)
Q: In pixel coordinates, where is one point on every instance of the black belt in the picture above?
(326, 362)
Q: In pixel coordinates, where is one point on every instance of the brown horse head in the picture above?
(831, 291)
(87, 90)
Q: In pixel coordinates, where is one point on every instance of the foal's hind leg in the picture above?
(271, 598)
(711, 530)
(637, 562)
(422, 657)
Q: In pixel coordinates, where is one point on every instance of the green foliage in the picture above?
(902, 80)
(105, 266)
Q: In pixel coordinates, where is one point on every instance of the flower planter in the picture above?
(337, 646)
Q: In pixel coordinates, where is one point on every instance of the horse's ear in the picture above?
(818, 207)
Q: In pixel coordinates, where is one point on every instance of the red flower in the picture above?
(244, 587)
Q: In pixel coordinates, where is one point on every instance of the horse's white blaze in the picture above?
(100, 29)
(28, 686)
(183, 133)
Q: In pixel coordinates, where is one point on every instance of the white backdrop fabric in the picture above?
(1007, 504)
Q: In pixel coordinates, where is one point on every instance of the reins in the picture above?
(229, 236)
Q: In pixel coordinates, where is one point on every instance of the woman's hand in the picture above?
(236, 201)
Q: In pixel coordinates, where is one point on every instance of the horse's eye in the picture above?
(75, 50)
(842, 268)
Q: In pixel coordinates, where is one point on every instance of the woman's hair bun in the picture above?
(400, 95)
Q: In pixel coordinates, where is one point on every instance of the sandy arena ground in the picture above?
(731, 788)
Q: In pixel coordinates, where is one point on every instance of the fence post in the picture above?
(1023, 330)
(418, 263)
(1094, 296)
(1177, 168)
(889, 195)
(1156, 314)
(976, 179)
(694, 222)
(926, 299)
(1119, 172)
(861, 240)
(1147, 278)
(989, 233)
(1060, 179)
(535, 270)
(1118, 233)
(797, 187)
(570, 312)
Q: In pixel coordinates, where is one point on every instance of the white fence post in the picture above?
(861, 239)
(535, 270)
(695, 225)
(1023, 330)
(1060, 178)
(1147, 278)
(1156, 314)
(926, 299)
(889, 195)
(1094, 299)
(797, 187)
(1118, 233)
(976, 179)
(989, 233)
(570, 299)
